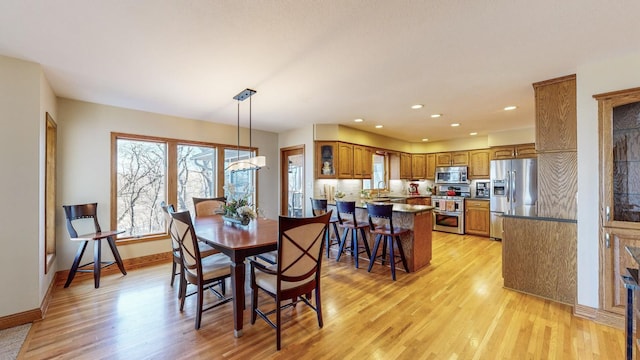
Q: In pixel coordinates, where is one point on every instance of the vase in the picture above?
(237, 220)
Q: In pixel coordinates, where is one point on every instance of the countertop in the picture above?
(534, 217)
(403, 208)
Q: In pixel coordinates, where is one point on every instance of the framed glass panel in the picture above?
(196, 174)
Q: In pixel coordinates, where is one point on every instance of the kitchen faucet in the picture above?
(378, 186)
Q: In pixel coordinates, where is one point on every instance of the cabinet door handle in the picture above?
(607, 241)
(608, 213)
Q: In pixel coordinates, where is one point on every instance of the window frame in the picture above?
(171, 179)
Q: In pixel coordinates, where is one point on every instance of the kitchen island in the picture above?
(417, 243)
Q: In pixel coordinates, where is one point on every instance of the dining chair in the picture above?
(346, 212)
(176, 266)
(319, 207)
(88, 213)
(297, 272)
(381, 225)
(208, 206)
(203, 272)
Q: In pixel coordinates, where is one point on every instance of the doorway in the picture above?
(292, 180)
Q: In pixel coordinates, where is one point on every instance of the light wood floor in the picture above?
(454, 309)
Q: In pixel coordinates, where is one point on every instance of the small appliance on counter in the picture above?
(413, 189)
(482, 189)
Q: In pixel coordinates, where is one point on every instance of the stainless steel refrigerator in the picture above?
(514, 190)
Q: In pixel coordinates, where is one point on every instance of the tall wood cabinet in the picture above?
(619, 123)
(556, 133)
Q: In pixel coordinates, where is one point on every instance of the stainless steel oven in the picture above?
(448, 213)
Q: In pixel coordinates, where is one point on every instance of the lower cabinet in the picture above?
(477, 219)
(419, 201)
(616, 260)
(539, 257)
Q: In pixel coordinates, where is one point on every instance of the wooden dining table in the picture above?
(237, 242)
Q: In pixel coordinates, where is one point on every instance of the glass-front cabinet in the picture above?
(326, 160)
(620, 158)
(619, 120)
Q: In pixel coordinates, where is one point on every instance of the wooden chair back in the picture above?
(82, 211)
(318, 206)
(346, 208)
(208, 206)
(384, 212)
(300, 243)
(184, 235)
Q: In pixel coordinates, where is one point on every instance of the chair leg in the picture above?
(365, 242)
(278, 322)
(112, 244)
(392, 258)
(384, 251)
(76, 263)
(376, 245)
(97, 262)
(200, 302)
(173, 272)
(327, 242)
(319, 306)
(183, 288)
(402, 257)
(345, 232)
(354, 245)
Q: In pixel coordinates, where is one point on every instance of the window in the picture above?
(149, 170)
(379, 175)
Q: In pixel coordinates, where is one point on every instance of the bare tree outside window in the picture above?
(141, 186)
(196, 174)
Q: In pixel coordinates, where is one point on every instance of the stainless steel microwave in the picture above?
(451, 175)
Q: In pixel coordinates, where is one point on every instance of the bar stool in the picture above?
(319, 207)
(349, 208)
(89, 211)
(384, 229)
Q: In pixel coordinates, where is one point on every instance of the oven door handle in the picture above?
(448, 213)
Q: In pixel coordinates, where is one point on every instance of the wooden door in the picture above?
(345, 161)
(443, 159)
(50, 193)
(430, 167)
(479, 164)
(418, 167)
(556, 119)
(523, 151)
(615, 262)
(476, 219)
(460, 158)
(405, 166)
(292, 179)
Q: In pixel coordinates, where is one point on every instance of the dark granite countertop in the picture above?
(403, 208)
(538, 218)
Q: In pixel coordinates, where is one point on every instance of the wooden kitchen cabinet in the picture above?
(418, 166)
(405, 166)
(616, 261)
(345, 163)
(326, 165)
(556, 119)
(456, 158)
(419, 201)
(362, 162)
(520, 151)
(479, 164)
(619, 185)
(430, 167)
(558, 185)
(477, 217)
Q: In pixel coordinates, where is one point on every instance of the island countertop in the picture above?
(404, 208)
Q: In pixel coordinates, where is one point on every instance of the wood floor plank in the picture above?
(456, 308)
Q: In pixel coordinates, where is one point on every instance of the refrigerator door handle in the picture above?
(508, 190)
(513, 186)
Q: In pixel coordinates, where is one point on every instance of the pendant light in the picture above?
(253, 163)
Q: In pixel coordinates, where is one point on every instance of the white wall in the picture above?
(302, 136)
(20, 233)
(84, 139)
(594, 78)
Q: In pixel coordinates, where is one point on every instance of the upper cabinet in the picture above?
(479, 164)
(326, 159)
(430, 166)
(405, 166)
(345, 165)
(556, 114)
(456, 158)
(418, 166)
(362, 162)
(519, 151)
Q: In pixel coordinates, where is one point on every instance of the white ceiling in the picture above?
(315, 61)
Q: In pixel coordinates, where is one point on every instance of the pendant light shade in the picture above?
(253, 163)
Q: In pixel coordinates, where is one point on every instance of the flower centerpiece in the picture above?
(237, 209)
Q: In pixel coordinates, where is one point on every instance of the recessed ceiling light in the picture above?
(455, 124)
(473, 133)
(417, 106)
(378, 126)
(425, 139)
(512, 107)
(436, 115)
(358, 120)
